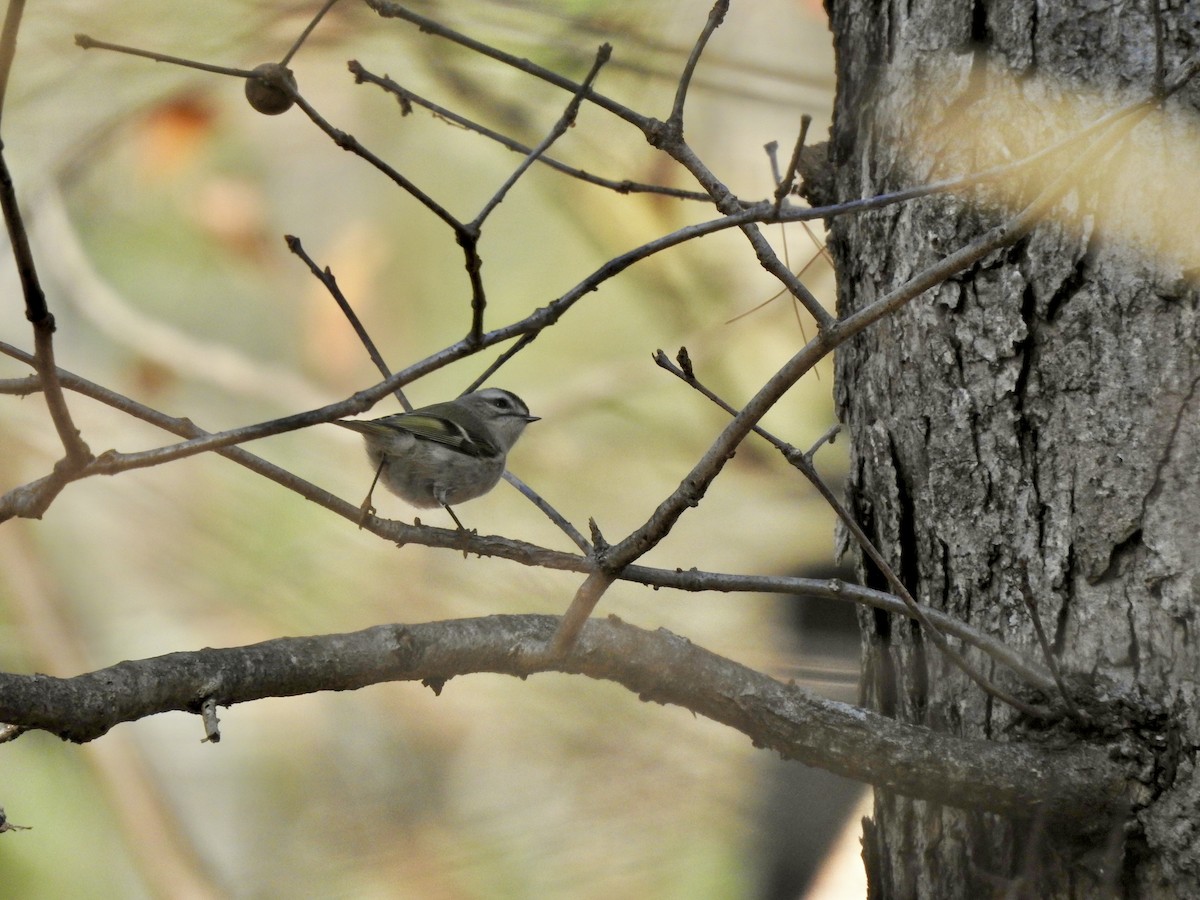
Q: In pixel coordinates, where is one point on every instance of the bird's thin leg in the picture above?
(367, 508)
(447, 508)
(463, 533)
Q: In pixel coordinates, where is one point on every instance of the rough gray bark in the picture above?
(1034, 421)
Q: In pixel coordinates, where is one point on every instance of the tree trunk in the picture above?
(1030, 427)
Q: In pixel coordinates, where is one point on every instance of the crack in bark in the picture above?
(1069, 286)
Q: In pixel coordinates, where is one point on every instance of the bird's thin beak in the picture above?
(533, 418)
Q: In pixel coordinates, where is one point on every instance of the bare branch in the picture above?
(565, 121)
(405, 96)
(1075, 787)
(325, 276)
(21, 387)
(389, 10)
(351, 144)
(8, 45)
(550, 512)
(186, 429)
(693, 487)
(36, 310)
(308, 29)
(715, 17)
(549, 314)
(1047, 651)
(113, 462)
(89, 43)
(784, 186)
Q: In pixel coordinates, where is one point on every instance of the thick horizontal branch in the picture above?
(1078, 785)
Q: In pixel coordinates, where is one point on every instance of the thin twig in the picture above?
(363, 400)
(547, 315)
(826, 438)
(308, 29)
(782, 291)
(342, 139)
(1047, 651)
(90, 43)
(666, 136)
(389, 10)
(694, 485)
(550, 512)
(530, 326)
(8, 45)
(783, 186)
(37, 311)
(624, 186)
(715, 17)
(351, 144)
(772, 153)
(185, 428)
(1179, 77)
(565, 121)
(524, 341)
(772, 150)
(326, 277)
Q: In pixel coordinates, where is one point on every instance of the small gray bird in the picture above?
(445, 453)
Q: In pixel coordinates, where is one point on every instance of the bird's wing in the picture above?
(426, 427)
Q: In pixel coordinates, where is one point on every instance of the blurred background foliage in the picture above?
(157, 201)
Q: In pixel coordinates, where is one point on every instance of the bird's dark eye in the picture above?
(502, 403)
